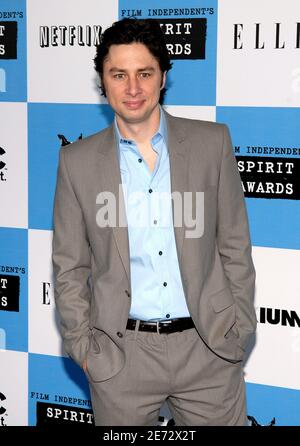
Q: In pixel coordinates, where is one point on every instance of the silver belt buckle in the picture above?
(157, 327)
(165, 322)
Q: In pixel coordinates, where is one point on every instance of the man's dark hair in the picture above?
(127, 31)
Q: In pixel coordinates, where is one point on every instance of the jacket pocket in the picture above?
(95, 346)
(222, 300)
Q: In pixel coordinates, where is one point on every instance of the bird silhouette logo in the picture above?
(255, 423)
(64, 141)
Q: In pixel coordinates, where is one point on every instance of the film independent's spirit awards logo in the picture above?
(8, 39)
(9, 292)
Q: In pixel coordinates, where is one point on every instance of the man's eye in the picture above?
(119, 76)
(145, 75)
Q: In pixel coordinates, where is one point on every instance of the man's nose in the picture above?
(133, 86)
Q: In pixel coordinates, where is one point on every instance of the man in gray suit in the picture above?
(153, 310)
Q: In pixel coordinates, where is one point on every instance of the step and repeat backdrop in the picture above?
(235, 62)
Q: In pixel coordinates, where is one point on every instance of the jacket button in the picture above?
(120, 334)
(127, 292)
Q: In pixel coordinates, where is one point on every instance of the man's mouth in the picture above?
(134, 105)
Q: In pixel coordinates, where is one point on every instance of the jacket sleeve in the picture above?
(71, 266)
(233, 239)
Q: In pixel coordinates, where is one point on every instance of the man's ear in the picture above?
(163, 80)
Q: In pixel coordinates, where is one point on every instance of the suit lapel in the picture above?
(111, 179)
(178, 155)
(110, 172)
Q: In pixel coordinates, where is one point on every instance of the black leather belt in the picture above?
(179, 324)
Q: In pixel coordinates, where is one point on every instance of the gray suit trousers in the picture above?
(201, 388)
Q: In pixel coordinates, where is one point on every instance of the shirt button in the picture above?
(140, 160)
(165, 284)
(120, 334)
(155, 221)
(160, 253)
(150, 190)
(167, 315)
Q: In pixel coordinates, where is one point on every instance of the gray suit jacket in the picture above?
(92, 267)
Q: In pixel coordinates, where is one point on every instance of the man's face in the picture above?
(132, 79)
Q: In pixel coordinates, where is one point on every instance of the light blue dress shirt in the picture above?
(156, 287)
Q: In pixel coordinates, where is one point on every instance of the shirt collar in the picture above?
(123, 144)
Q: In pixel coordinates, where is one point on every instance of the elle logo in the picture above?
(280, 40)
